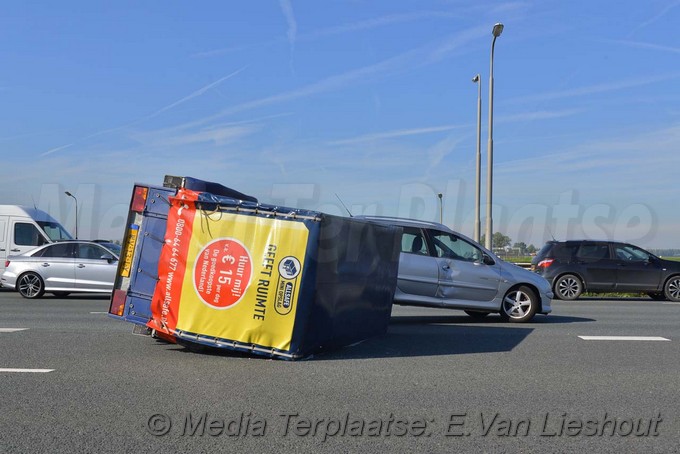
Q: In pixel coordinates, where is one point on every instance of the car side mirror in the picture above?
(108, 258)
(486, 258)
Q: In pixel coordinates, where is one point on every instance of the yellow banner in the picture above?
(242, 278)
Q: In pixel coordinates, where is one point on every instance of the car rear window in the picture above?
(55, 250)
(565, 251)
(560, 251)
(593, 251)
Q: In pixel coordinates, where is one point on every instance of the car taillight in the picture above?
(545, 263)
(118, 302)
(6, 263)
(139, 199)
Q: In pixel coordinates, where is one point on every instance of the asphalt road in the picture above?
(436, 382)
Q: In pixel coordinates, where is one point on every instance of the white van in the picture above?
(24, 228)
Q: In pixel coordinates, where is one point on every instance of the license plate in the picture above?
(129, 250)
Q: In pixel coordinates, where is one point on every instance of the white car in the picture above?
(441, 268)
(61, 268)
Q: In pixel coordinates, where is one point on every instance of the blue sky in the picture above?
(297, 101)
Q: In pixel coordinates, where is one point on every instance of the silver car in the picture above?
(441, 268)
(61, 268)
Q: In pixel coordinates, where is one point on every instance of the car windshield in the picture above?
(59, 250)
(55, 231)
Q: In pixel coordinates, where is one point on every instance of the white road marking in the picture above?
(672, 304)
(11, 330)
(39, 371)
(626, 338)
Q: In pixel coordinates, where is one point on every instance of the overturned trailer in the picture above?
(203, 264)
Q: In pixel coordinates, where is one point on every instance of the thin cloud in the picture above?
(377, 22)
(538, 115)
(352, 27)
(287, 9)
(440, 150)
(656, 17)
(291, 36)
(291, 33)
(599, 88)
(228, 50)
(29, 134)
(526, 116)
(510, 7)
(458, 41)
(193, 95)
(607, 155)
(173, 130)
(642, 45)
(54, 150)
(412, 59)
(218, 136)
(396, 133)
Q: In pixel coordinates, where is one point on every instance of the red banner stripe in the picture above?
(172, 262)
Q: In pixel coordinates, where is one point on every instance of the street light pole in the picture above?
(441, 208)
(497, 30)
(478, 179)
(74, 198)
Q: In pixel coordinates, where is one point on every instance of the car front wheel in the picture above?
(519, 305)
(568, 287)
(31, 286)
(672, 289)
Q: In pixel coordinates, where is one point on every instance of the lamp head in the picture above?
(476, 78)
(497, 30)
(68, 193)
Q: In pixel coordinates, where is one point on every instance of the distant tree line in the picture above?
(504, 242)
(666, 252)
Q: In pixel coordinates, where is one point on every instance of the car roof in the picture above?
(72, 242)
(585, 241)
(569, 243)
(405, 222)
